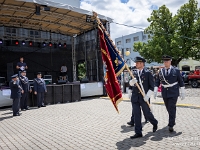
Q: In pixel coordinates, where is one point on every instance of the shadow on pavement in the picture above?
(159, 135)
(8, 117)
(127, 128)
(7, 113)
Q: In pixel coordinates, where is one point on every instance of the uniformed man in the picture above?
(16, 91)
(170, 79)
(145, 79)
(39, 89)
(26, 87)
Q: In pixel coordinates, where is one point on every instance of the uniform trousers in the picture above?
(40, 99)
(23, 101)
(170, 104)
(15, 106)
(137, 105)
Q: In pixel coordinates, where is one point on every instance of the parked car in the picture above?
(194, 78)
(4, 93)
(5, 99)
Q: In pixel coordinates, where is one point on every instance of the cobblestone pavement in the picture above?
(94, 124)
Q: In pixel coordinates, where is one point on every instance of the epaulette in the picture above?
(134, 72)
(148, 70)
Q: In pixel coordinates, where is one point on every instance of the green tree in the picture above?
(81, 71)
(177, 36)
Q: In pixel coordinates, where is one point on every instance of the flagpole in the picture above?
(102, 27)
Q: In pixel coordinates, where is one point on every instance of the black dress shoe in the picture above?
(171, 129)
(27, 108)
(130, 123)
(23, 109)
(16, 115)
(146, 121)
(155, 127)
(136, 136)
(38, 106)
(43, 106)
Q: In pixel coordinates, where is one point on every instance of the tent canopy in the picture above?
(61, 18)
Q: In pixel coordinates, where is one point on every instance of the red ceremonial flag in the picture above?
(111, 83)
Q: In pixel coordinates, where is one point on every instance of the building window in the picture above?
(128, 40)
(144, 37)
(119, 43)
(136, 38)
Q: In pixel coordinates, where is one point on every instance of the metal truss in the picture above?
(74, 58)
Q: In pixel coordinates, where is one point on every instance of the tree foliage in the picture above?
(177, 36)
(81, 71)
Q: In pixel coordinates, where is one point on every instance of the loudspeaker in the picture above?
(10, 71)
(62, 81)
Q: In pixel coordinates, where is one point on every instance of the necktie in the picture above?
(139, 72)
(167, 73)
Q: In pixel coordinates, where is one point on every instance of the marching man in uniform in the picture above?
(26, 87)
(39, 89)
(145, 79)
(170, 79)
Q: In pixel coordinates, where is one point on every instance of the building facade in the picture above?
(125, 43)
(189, 65)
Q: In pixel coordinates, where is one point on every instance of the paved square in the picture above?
(94, 124)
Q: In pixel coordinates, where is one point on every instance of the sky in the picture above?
(129, 12)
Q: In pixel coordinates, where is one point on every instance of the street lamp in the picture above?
(127, 53)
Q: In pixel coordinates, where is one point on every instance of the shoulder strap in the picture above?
(163, 76)
(140, 82)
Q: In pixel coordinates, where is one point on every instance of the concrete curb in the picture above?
(162, 103)
(124, 99)
(180, 105)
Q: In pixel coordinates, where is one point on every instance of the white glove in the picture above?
(132, 82)
(155, 92)
(182, 93)
(129, 93)
(148, 96)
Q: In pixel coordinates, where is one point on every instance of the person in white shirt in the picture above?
(63, 71)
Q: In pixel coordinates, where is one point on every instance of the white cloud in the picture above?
(133, 13)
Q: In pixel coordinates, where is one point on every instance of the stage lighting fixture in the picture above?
(30, 43)
(65, 45)
(88, 18)
(50, 44)
(1, 41)
(23, 43)
(16, 42)
(59, 44)
(46, 8)
(37, 10)
(44, 44)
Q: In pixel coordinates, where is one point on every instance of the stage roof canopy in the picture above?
(61, 18)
